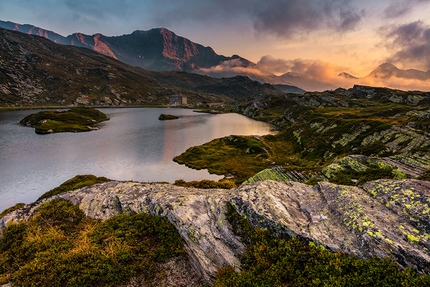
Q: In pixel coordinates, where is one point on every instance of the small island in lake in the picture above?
(77, 119)
(165, 117)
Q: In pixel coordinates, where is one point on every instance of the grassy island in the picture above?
(165, 117)
(78, 119)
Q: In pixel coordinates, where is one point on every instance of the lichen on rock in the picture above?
(385, 218)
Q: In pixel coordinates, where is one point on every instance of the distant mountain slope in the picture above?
(388, 70)
(157, 49)
(290, 89)
(32, 30)
(36, 71)
(347, 76)
(238, 87)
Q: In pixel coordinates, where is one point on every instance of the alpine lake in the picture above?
(132, 145)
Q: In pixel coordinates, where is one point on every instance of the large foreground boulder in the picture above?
(384, 218)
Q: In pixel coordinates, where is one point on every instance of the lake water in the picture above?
(132, 145)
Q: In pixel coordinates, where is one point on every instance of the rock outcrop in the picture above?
(385, 218)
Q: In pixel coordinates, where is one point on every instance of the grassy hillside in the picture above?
(318, 129)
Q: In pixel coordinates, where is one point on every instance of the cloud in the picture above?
(307, 74)
(311, 75)
(288, 18)
(402, 8)
(283, 18)
(409, 44)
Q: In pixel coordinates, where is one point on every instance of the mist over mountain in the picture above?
(36, 71)
(347, 75)
(160, 49)
(388, 70)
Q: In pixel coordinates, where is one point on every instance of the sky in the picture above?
(310, 36)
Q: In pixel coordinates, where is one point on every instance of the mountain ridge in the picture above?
(388, 70)
(35, 71)
(160, 49)
(157, 49)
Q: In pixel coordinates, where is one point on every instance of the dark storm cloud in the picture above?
(286, 18)
(402, 8)
(283, 18)
(410, 44)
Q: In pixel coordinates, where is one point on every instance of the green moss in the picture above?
(349, 171)
(10, 209)
(74, 183)
(78, 119)
(165, 117)
(274, 261)
(268, 174)
(59, 246)
(412, 238)
(206, 184)
(241, 157)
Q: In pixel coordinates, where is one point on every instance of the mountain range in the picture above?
(157, 49)
(35, 71)
(388, 70)
(160, 49)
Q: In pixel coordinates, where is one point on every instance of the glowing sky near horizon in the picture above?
(353, 35)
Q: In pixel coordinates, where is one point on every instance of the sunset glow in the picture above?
(318, 39)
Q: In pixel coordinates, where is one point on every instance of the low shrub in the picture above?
(60, 246)
(274, 261)
(10, 209)
(74, 183)
(206, 184)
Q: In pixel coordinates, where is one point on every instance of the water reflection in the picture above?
(133, 145)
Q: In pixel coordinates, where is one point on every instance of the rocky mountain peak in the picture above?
(385, 70)
(347, 76)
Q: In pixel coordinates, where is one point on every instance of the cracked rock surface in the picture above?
(385, 218)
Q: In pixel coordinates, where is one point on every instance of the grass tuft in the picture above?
(74, 183)
(60, 246)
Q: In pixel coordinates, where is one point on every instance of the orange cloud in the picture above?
(311, 75)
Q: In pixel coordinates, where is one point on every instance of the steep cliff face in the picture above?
(385, 218)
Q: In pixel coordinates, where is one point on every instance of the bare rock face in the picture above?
(385, 218)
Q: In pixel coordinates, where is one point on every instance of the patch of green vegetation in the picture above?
(74, 183)
(165, 117)
(317, 128)
(373, 170)
(78, 119)
(240, 156)
(12, 208)
(268, 174)
(274, 261)
(59, 246)
(206, 184)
